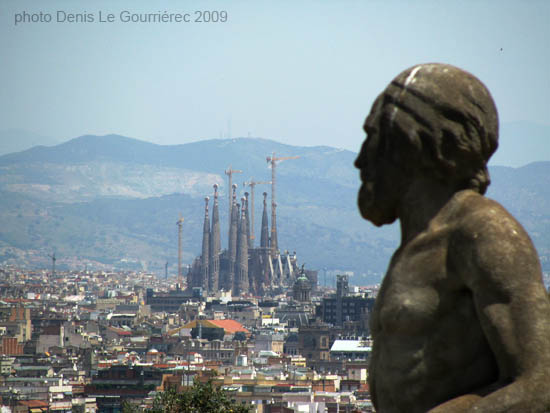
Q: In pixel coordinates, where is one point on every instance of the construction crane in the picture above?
(252, 184)
(53, 264)
(273, 161)
(179, 223)
(229, 172)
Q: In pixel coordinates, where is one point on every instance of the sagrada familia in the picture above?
(242, 268)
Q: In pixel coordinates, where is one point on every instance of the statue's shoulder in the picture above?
(475, 215)
(487, 237)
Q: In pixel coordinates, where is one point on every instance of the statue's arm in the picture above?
(501, 269)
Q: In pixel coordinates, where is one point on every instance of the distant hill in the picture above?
(250, 152)
(521, 143)
(91, 166)
(16, 140)
(114, 200)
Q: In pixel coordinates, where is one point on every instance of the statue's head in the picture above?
(434, 120)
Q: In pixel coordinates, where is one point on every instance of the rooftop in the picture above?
(350, 346)
(230, 326)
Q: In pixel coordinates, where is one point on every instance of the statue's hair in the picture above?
(442, 120)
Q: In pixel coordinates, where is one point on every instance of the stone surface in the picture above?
(461, 319)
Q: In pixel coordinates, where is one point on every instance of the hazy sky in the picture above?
(301, 72)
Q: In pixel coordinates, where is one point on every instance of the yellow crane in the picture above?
(179, 223)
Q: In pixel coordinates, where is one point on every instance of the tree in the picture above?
(202, 397)
(239, 336)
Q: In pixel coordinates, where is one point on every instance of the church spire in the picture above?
(241, 273)
(205, 247)
(232, 248)
(264, 238)
(215, 246)
(247, 217)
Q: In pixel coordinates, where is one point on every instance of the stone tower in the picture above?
(205, 247)
(265, 252)
(232, 248)
(264, 238)
(215, 246)
(247, 212)
(241, 272)
(302, 289)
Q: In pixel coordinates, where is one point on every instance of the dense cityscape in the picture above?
(249, 320)
(85, 341)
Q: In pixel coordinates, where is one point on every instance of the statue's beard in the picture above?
(374, 206)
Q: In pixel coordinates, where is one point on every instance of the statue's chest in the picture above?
(416, 291)
(408, 310)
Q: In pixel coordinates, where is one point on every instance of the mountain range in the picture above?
(17, 140)
(113, 201)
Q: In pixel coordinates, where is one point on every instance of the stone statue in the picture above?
(462, 319)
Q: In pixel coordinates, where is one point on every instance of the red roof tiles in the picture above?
(230, 326)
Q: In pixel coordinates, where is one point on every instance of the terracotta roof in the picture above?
(230, 326)
(33, 403)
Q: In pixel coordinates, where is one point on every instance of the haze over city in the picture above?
(301, 73)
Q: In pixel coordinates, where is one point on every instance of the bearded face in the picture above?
(378, 197)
